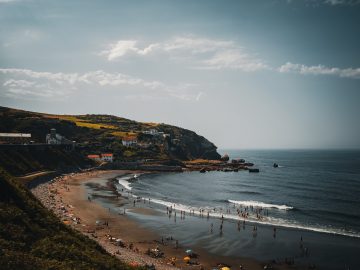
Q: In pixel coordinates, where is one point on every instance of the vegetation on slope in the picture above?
(31, 237)
(27, 159)
(103, 133)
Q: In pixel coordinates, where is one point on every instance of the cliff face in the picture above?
(104, 133)
(186, 144)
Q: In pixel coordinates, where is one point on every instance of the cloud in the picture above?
(318, 3)
(342, 2)
(353, 73)
(200, 53)
(123, 47)
(7, 1)
(233, 59)
(29, 83)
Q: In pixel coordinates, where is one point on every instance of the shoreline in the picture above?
(66, 196)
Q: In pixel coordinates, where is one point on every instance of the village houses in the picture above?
(107, 157)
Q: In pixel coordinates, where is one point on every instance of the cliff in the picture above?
(104, 133)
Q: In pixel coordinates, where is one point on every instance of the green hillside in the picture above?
(31, 237)
(104, 133)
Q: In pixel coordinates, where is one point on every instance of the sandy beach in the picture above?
(67, 197)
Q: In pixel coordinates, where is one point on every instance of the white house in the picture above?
(107, 157)
(129, 141)
(56, 138)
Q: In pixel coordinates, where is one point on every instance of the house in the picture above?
(107, 157)
(56, 138)
(151, 132)
(94, 157)
(129, 141)
(102, 157)
(14, 138)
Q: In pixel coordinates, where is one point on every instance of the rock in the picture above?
(203, 170)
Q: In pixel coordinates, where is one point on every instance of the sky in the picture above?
(264, 74)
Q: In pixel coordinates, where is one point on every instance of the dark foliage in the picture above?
(31, 237)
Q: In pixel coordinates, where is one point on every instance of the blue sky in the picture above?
(244, 74)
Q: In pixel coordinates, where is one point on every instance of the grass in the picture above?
(123, 134)
(82, 123)
(151, 124)
(202, 161)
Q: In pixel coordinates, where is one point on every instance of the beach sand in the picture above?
(67, 197)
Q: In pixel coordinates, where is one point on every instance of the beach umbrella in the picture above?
(187, 259)
(225, 268)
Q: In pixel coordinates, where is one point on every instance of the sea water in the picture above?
(312, 195)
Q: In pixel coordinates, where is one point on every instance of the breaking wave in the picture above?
(125, 180)
(278, 222)
(261, 205)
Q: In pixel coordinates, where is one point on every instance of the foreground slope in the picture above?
(31, 237)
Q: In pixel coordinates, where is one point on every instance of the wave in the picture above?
(270, 221)
(124, 180)
(261, 204)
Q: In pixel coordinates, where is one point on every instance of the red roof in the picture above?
(129, 139)
(93, 156)
(106, 155)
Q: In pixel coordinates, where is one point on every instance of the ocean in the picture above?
(312, 200)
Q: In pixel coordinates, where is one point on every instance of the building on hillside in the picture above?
(151, 131)
(94, 157)
(107, 157)
(15, 138)
(56, 138)
(129, 141)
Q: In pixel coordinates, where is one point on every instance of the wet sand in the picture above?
(67, 197)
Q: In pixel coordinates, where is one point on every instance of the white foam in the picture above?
(276, 222)
(124, 181)
(262, 205)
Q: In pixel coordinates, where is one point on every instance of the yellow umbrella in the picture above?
(187, 259)
(225, 268)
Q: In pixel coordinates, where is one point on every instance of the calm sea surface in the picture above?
(314, 195)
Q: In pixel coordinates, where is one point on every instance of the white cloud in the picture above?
(26, 82)
(201, 53)
(123, 47)
(18, 83)
(233, 59)
(7, 1)
(341, 2)
(353, 73)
